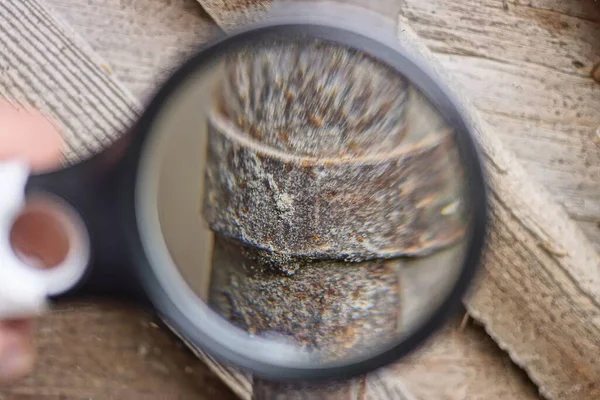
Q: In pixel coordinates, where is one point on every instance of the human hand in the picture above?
(29, 135)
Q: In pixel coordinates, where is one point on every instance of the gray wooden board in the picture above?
(526, 66)
(95, 28)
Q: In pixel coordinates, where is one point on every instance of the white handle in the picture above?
(24, 289)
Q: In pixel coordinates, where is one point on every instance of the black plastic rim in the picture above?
(416, 72)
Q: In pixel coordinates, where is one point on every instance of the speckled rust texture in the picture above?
(340, 188)
(324, 166)
(315, 99)
(353, 210)
(332, 307)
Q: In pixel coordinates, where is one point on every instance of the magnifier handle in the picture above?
(92, 189)
(22, 290)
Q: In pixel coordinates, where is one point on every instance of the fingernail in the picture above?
(15, 362)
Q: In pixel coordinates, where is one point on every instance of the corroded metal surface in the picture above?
(315, 99)
(313, 153)
(323, 167)
(328, 306)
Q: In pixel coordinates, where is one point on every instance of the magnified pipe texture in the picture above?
(327, 172)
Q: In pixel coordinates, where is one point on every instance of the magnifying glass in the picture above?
(300, 199)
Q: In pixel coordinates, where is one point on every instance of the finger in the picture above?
(16, 350)
(29, 134)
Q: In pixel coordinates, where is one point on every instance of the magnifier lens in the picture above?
(309, 195)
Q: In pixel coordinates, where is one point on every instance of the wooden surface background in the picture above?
(527, 65)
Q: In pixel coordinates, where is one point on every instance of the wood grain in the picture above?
(233, 14)
(544, 106)
(526, 67)
(461, 362)
(141, 40)
(95, 19)
(111, 351)
(539, 291)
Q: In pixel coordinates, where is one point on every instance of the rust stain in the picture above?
(595, 74)
(553, 23)
(363, 388)
(284, 136)
(306, 164)
(315, 121)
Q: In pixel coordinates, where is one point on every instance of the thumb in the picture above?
(16, 350)
(28, 133)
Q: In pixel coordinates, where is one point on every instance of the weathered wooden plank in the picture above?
(560, 150)
(112, 351)
(584, 9)
(540, 286)
(526, 66)
(461, 362)
(141, 39)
